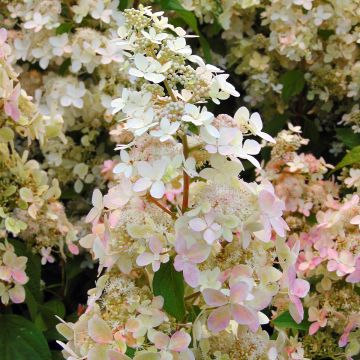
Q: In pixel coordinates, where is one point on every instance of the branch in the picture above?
(161, 206)
(185, 202)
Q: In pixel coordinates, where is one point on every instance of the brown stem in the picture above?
(193, 295)
(185, 202)
(136, 4)
(161, 206)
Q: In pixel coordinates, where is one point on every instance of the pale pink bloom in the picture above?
(354, 277)
(119, 195)
(13, 268)
(150, 316)
(155, 257)
(177, 343)
(343, 263)
(211, 230)
(172, 193)
(74, 249)
(46, 256)
(271, 214)
(297, 288)
(344, 339)
(231, 306)
(11, 101)
(355, 220)
(5, 49)
(186, 260)
(307, 260)
(99, 330)
(97, 200)
(17, 294)
(318, 319)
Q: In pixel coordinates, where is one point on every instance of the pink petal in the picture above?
(244, 315)
(197, 224)
(198, 253)
(179, 341)
(296, 309)
(73, 248)
(17, 294)
(214, 297)
(239, 292)
(210, 236)
(144, 259)
(160, 340)
(191, 274)
(20, 276)
(99, 330)
(300, 288)
(155, 245)
(219, 319)
(314, 327)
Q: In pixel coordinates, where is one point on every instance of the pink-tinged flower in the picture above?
(99, 330)
(212, 230)
(297, 289)
(271, 214)
(74, 249)
(150, 316)
(171, 193)
(13, 268)
(46, 256)
(344, 339)
(231, 305)
(95, 213)
(186, 260)
(11, 101)
(177, 343)
(155, 257)
(119, 195)
(4, 47)
(355, 220)
(319, 318)
(343, 263)
(354, 277)
(307, 260)
(107, 169)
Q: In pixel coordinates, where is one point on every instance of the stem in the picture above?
(169, 90)
(185, 202)
(162, 207)
(193, 295)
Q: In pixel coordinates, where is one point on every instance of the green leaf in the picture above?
(123, 4)
(56, 355)
(293, 83)
(169, 284)
(49, 311)
(352, 157)
(21, 340)
(31, 303)
(325, 33)
(285, 321)
(63, 28)
(64, 67)
(348, 137)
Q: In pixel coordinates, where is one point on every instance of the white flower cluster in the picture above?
(177, 206)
